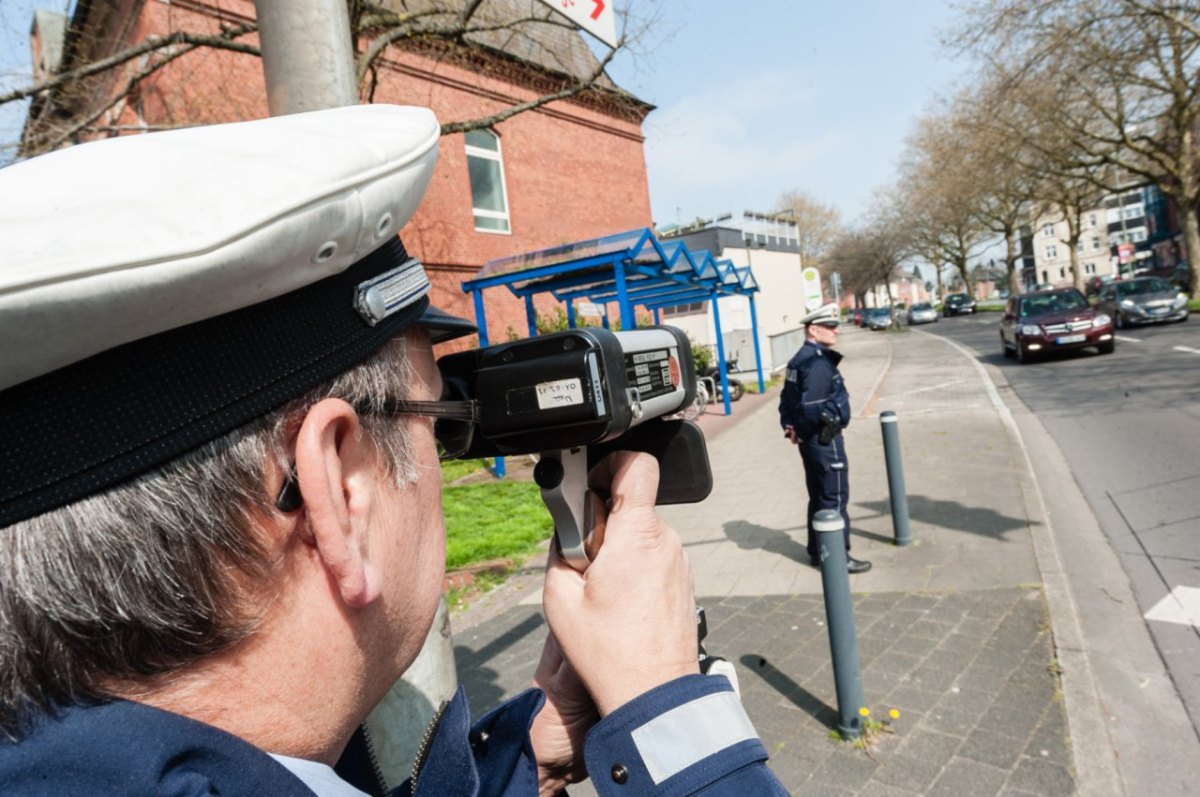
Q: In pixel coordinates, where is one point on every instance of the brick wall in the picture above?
(572, 171)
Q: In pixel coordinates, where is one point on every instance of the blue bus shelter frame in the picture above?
(633, 269)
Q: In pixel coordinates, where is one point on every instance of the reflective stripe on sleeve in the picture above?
(687, 734)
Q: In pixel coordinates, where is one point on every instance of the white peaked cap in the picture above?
(825, 315)
(158, 291)
(115, 240)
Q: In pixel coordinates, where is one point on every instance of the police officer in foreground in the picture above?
(814, 407)
(221, 538)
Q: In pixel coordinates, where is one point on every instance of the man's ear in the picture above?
(336, 467)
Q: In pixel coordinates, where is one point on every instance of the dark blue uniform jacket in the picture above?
(124, 748)
(813, 384)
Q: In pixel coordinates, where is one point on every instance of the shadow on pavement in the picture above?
(800, 697)
(751, 536)
(953, 515)
(482, 681)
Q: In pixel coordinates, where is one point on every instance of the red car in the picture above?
(1047, 321)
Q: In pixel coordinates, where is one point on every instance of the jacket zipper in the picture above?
(426, 743)
(374, 759)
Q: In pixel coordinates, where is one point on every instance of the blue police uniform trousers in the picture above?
(827, 477)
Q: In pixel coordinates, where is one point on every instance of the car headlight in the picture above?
(1101, 320)
(1180, 300)
(1128, 303)
(1030, 329)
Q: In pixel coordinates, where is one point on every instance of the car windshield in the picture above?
(1051, 303)
(922, 306)
(1136, 287)
(955, 298)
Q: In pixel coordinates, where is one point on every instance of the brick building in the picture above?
(566, 171)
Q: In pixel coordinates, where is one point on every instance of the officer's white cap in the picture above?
(826, 315)
(157, 291)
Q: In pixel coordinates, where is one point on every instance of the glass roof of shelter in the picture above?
(632, 265)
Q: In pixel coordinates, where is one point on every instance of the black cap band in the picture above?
(93, 424)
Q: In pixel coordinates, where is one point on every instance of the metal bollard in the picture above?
(839, 614)
(895, 474)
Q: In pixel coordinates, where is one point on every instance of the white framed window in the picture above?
(1138, 235)
(1091, 219)
(1062, 273)
(485, 167)
(1079, 246)
(1051, 251)
(1048, 229)
(1095, 242)
(1045, 276)
(1089, 268)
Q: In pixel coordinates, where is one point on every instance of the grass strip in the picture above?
(493, 520)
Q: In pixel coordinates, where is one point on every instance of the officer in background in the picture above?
(221, 538)
(814, 407)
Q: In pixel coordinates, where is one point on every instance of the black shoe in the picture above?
(857, 565)
(815, 561)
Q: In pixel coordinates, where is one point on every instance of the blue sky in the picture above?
(754, 98)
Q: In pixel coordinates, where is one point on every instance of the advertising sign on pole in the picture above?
(1125, 252)
(812, 288)
(594, 16)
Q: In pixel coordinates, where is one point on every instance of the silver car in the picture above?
(922, 313)
(1142, 300)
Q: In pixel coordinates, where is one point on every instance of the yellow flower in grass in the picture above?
(894, 714)
(864, 711)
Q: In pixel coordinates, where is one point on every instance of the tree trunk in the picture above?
(968, 289)
(1010, 263)
(1073, 235)
(1191, 240)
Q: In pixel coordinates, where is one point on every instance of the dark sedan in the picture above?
(957, 304)
(1144, 300)
(1046, 321)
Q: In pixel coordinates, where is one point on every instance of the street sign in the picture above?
(595, 16)
(1125, 252)
(812, 288)
(589, 310)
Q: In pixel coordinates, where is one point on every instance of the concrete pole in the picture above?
(839, 615)
(897, 494)
(307, 57)
(308, 63)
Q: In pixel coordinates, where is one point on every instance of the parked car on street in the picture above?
(1055, 320)
(958, 304)
(879, 318)
(1143, 300)
(856, 316)
(922, 313)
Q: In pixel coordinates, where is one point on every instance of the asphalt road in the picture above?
(1128, 423)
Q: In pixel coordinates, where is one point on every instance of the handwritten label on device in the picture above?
(562, 393)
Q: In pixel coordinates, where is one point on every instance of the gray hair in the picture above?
(160, 571)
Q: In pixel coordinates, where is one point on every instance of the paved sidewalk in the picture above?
(954, 631)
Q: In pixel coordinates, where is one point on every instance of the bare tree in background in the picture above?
(870, 255)
(102, 76)
(944, 190)
(1126, 78)
(817, 225)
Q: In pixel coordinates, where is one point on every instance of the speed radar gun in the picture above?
(572, 398)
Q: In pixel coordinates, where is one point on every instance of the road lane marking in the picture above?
(1125, 339)
(1180, 606)
(1188, 349)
